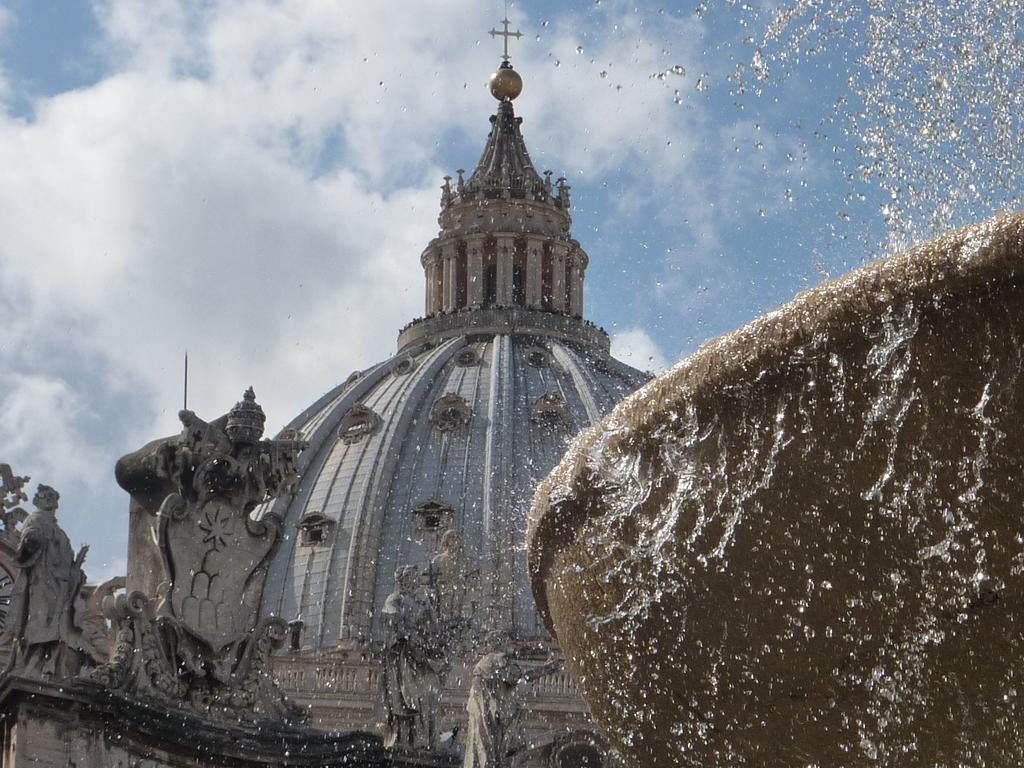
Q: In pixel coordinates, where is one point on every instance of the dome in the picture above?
(456, 429)
(454, 434)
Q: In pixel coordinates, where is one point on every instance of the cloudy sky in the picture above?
(254, 180)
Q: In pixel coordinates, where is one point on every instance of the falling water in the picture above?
(934, 102)
(808, 535)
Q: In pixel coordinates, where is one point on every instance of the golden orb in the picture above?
(506, 83)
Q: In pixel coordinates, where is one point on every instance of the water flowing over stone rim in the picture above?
(976, 260)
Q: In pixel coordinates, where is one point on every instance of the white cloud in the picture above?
(635, 347)
(182, 201)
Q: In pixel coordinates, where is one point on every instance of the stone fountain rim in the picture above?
(979, 259)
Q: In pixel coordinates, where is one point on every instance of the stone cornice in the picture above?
(184, 734)
(504, 320)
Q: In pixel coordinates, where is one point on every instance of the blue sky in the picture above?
(254, 181)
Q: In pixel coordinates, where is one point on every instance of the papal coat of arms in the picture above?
(199, 639)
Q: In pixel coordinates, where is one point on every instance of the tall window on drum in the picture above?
(518, 285)
(490, 284)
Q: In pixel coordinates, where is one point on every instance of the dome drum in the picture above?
(504, 270)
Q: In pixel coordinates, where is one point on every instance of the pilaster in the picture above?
(430, 267)
(505, 254)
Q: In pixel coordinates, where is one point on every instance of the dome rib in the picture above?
(357, 596)
(304, 580)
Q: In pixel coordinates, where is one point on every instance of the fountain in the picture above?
(803, 545)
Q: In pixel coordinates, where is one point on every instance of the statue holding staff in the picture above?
(44, 619)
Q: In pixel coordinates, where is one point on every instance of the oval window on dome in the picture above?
(404, 366)
(538, 357)
(358, 422)
(549, 410)
(450, 412)
(467, 357)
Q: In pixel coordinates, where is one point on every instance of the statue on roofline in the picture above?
(45, 618)
(414, 665)
(495, 707)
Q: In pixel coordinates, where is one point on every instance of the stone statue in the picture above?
(413, 665)
(449, 577)
(563, 194)
(197, 626)
(495, 708)
(451, 580)
(46, 608)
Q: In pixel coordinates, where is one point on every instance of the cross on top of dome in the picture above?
(505, 83)
(505, 34)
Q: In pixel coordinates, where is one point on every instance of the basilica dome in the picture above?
(456, 429)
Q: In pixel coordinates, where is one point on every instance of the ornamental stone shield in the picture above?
(196, 639)
(215, 557)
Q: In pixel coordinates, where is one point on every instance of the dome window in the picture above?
(432, 516)
(538, 357)
(467, 357)
(358, 422)
(450, 412)
(314, 529)
(404, 366)
(550, 411)
(295, 634)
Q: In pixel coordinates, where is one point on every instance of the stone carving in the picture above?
(563, 194)
(449, 576)
(450, 412)
(413, 665)
(495, 708)
(11, 496)
(358, 422)
(200, 643)
(550, 411)
(467, 357)
(44, 621)
(452, 580)
(96, 627)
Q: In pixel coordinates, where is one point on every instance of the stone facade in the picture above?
(45, 725)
